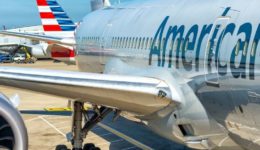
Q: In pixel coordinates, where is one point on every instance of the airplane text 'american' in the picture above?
(192, 41)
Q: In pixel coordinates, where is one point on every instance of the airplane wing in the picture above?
(142, 95)
(49, 39)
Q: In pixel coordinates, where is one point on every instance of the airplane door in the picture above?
(214, 50)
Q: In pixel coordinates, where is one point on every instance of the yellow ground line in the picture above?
(125, 137)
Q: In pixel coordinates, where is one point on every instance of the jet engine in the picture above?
(13, 133)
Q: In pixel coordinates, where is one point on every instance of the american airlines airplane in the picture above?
(55, 22)
(189, 69)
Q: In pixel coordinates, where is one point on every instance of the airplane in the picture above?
(55, 22)
(188, 69)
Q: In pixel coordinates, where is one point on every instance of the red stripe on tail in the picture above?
(51, 28)
(47, 15)
(42, 3)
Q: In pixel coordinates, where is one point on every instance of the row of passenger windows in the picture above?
(122, 42)
(146, 42)
(133, 42)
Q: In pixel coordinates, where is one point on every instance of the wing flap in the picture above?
(140, 95)
(49, 39)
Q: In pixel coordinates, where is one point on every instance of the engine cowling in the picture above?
(13, 133)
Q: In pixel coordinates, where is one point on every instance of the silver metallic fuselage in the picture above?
(209, 46)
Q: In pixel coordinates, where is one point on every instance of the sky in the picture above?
(22, 13)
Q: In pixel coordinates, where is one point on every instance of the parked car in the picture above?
(19, 58)
(4, 58)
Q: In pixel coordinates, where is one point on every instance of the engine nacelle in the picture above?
(13, 133)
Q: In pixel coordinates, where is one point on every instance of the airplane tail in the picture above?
(54, 19)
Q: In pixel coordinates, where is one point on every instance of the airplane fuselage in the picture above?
(211, 45)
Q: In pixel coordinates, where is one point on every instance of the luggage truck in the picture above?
(23, 55)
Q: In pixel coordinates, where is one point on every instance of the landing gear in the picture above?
(61, 147)
(79, 132)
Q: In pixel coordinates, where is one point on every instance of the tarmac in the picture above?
(46, 129)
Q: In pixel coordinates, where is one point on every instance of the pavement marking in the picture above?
(60, 123)
(106, 143)
(56, 117)
(127, 138)
(128, 148)
(222, 141)
(51, 125)
(101, 135)
(66, 127)
(32, 119)
(96, 128)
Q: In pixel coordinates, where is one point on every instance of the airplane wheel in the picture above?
(61, 147)
(89, 146)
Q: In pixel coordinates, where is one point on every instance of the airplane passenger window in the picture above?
(175, 43)
(139, 43)
(186, 45)
(252, 53)
(150, 43)
(129, 42)
(171, 45)
(143, 44)
(124, 42)
(245, 48)
(136, 43)
(237, 47)
(162, 43)
(117, 42)
(146, 43)
(181, 44)
(112, 42)
(132, 43)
